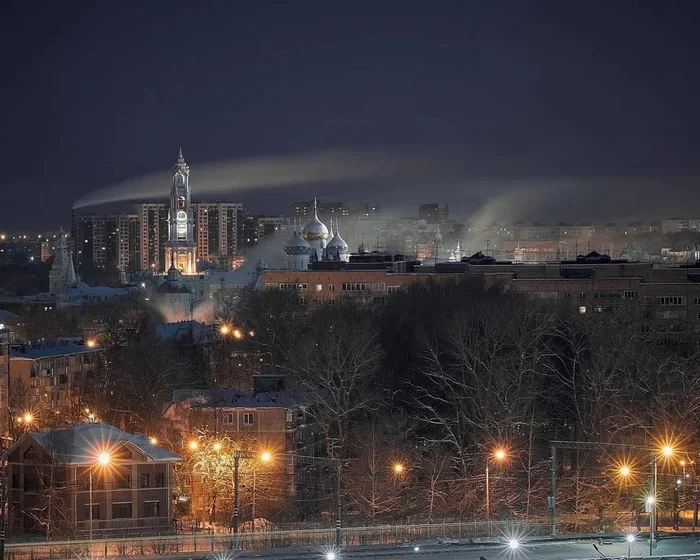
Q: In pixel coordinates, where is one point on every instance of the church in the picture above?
(181, 249)
(315, 243)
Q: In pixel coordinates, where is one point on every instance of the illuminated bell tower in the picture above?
(181, 249)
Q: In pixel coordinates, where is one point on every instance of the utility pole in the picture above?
(3, 512)
(553, 491)
(235, 493)
(339, 513)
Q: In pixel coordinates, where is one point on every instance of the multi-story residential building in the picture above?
(107, 240)
(51, 377)
(218, 228)
(675, 225)
(594, 283)
(272, 417)
(434, 213)
(344, 211)
(153, 226)
(56, 479)
(19, 249)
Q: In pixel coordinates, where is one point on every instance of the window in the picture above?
(630, 294)
(697, 301)
(145, 480)
(151, 509)
(670, 300)
(123, 481)
(582, 309)
(567, 296)
(160, 480)
(648, 299)
(227, 418)
(319, 287)
(598, 309)
(247, 418)
(331, 287)
(378, 300)
(121, 510)
(582, 295)
(95, 511)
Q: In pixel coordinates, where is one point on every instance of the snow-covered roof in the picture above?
(81, 443)
(66, 348)
(233, 398)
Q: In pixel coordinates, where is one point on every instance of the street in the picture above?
(569, 550)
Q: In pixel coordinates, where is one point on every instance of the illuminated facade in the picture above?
(181, 249)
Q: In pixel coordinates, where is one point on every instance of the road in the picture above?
(571, 550)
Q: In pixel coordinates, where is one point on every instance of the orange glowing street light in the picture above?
(224, 330)
(500, 454)
(217, 446)
(398, 468)
(152, 440)
(28, 418)
(266, 456)
(625, 471)
(90, 343)
(237, 334)
(667, 450)
(193, 445)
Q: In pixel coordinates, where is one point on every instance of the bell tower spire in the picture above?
(181, 248)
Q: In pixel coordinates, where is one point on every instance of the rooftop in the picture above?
(233, 398)
(51, 349)
(80, 443)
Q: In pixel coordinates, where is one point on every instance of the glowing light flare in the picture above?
(90, 343)
(104, 459)
(398, 468)
(193, 445)
(237, 334)
(153, 440)
(514, 544)
(667, 450)
(650, 500)
(217, 446)
(266, 456)
(499, 454)
(224, 330)
(630, 538)
(27, 418)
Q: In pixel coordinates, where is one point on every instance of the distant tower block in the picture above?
(181, 250)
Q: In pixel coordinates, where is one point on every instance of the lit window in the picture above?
(582, 309)
(319, 287)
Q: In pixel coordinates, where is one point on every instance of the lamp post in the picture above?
(499, 455)
(630, 540)
(103, 459)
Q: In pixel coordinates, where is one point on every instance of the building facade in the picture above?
(107, 240)
(49, 379)
(593, 283)
(58, 478)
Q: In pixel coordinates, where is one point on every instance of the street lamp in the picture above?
(103, 459)
(398, 468)
(514, 544)
(193, 445)
(499, 455)
(630, 540)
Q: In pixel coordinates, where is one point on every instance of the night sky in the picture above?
(565, 96)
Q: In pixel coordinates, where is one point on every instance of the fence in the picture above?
(176, 544)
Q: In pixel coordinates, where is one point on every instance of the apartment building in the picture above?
(593, 283)
(272, 418)
(55, 478)
(51, 377)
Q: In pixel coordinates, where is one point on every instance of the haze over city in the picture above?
(518, 93)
